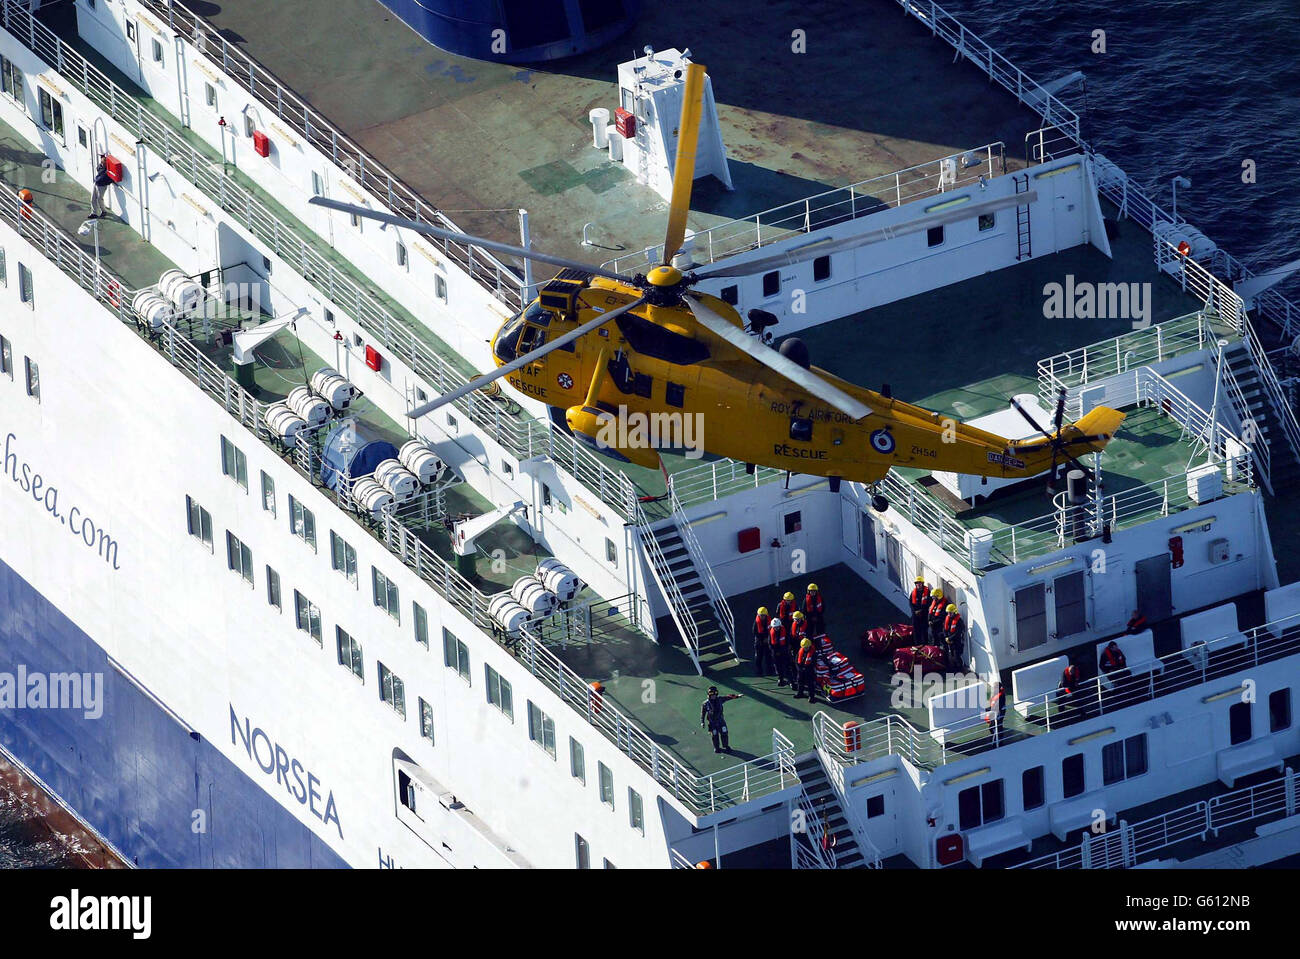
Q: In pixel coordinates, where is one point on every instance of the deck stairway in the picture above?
(1248, 389)
(823, 813)
(696, 604)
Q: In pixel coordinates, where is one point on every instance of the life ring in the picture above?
(113, 292)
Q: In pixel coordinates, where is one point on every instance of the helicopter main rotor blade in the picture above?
(1057, 444)
(806, 380)
(828, 245)
(519, 362)
(688, 135)
(491, 245)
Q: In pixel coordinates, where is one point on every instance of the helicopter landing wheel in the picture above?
(879, 503)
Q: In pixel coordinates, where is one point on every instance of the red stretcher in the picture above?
(839, 680)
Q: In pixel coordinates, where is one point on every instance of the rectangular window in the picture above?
(343, 557)
(157, 49)
(33, 376)
(26, 289)
(875, 806)
(1279, 710)
(541, 729)
(302, 523)
(210, 96)
(4, 270)
(771, 283)
(440, 288)
(392, 690)
(130, 30)
(582, 852)
(317, 184)
(426, 720)
(1031, 788)
(821, 268)
(356, 220)
(13, 80)
(455, 655)
(307, 617)
(934, 236)
(350, 653)
(980, 804)
(1124, 759)
(611, 552)
(635, 811)
(577, 761)
(421, 620)
(605, 780)
(6, 358)
(234, 463)
(1239, 729)
(401, 254)
(499, 693)
(239, 557)
(675, 394)
(1072, 780)
(730, 294)
(386, 594)
(51, 112)
(273, 588)
(986, 221)
(200, 522)
(268, 493)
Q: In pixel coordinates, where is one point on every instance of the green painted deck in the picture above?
(480, 140)
(122, 251)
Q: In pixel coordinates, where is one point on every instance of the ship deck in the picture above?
(480, 140)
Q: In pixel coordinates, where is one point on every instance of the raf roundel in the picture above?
(565, 381)
(882, 441)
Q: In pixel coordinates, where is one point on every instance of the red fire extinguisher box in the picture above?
(373, 359)
(113, 167)
(261, 143)
(624, 123)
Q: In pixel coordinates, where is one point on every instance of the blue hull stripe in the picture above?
(135, 774)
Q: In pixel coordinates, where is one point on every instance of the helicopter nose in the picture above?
(503, 348)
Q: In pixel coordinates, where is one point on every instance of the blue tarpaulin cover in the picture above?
(351, 449)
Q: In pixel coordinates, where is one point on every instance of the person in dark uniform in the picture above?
(920, 600)
(711, 718)
(954, 638)
(779, 641)
(762, 644)
(938, 612)
(806, 663)
(996, 711)
(814, 610)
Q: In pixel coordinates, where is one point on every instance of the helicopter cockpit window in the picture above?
(531, 338)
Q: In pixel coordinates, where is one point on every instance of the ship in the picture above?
(253, 613)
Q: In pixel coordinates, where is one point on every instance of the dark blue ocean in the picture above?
(1185, 87)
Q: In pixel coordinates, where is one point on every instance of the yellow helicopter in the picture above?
(613, 355)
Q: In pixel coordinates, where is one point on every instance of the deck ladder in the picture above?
(1023, 245)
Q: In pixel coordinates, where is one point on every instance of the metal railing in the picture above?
(840, 205)
(1197, 665)
(994, 65)
(369, 174)
(717, 598)
(1128, 845)
(1097, 361)
(672, 593)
